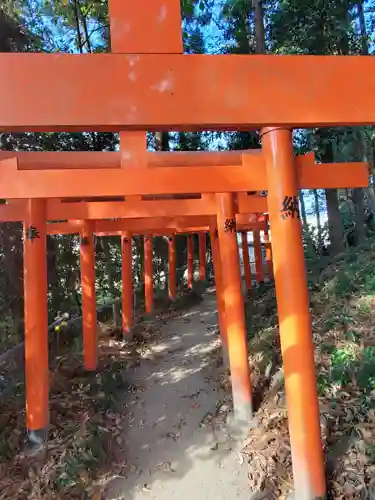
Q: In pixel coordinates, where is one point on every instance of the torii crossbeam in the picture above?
(116, 92)
(64, 183)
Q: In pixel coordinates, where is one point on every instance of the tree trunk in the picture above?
(359, 215)
(108, 264)
(371, 198)
(365, 51)
(303, 209)
(76, 15)
(318, 221)
(336, 233)
(362, 27)
(52, 273)
(358, 194)
(162, 141)
(260, 37)
(334, 222)
(11, 247)
(86, 31)
(111, 280)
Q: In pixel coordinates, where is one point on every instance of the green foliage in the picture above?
(319, 27)
(354, 274)
(349, 365)
(371, 453)
(5, 448)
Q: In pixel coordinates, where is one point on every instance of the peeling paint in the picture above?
(162, 14)
(126, 155)
(133, 59)
(132, 76)
(121, 28)
(163, 86)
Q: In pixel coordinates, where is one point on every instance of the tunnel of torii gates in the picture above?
(149, 227)
(148, 84)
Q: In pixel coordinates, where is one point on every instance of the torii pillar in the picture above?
(246, 260)
(294, 315)
(190, 260)
(172, 267)
(219, 291)
(89, 322)
(36, 322)
(268, 248)
(234, 308)
(148, 274)
(127, 283)
(202, 256)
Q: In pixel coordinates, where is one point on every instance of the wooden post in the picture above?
(36, 322)
(268, 247)
(258, 257)
(127, 283)
(202, 256)
(89, 324)
(172, 267)
(190, 260)
(219, 291)
(294, 315)
(234, 308)
(148, 270)
(246, 260)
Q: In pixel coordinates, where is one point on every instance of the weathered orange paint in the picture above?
(148, 270)
(172, 267)
(68, 228)
(128, 26)
(116, 92)
(164, 180)
(47, 160)
(246, 260)
(190, 260)
(268, 247)
(57, 210)
(219, 287)
(127, 282)
(89, 323)
(36, 318)
(154, 28)
(258, 257)
(202, 256)
(149, 223)
(294, 317)
(161, 226)
(234, 308)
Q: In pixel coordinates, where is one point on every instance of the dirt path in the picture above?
(176, 441)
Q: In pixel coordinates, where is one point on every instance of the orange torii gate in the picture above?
(86, 211)
(149, 228)
(125, 228)
(157, 88)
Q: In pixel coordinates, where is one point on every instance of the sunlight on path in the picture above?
(176, 442)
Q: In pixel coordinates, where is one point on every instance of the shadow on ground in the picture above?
(175, 438)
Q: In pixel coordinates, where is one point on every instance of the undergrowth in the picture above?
(87, 417)
(85, 426)
(342, 299)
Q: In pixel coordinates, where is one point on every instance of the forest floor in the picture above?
(152, 422)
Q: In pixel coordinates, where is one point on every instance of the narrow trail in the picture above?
(176, 440)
